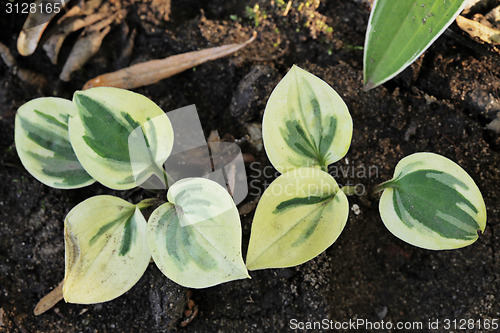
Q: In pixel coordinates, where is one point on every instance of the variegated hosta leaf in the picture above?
(106, 250)
(120, 137)
(432, 203)
(196, 239)
(400, 31)
(42, 143)
(306, 123)
(299, 216)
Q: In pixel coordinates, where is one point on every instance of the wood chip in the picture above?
(153, 71)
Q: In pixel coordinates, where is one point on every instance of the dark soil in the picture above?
(441, 104)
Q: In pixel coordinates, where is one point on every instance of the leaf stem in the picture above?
(383, 186)
(147, 203)
(349, 190)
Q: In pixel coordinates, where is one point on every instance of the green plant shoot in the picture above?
(299, 216)
(120, 137)
(306, 127)
(306, 123)
(400, 31)
(195, 238)
(432, 203)
(106, 250)
(42, 143)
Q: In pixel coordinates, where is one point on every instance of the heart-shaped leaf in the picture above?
(106, 250)
(120, 137)
(42, 143)
(400, 31)
(299, 216)
(196, 239)
(306, 123)
(432, 203)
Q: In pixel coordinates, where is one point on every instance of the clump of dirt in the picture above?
(442, 103)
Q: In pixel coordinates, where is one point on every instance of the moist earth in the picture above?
(442, 103)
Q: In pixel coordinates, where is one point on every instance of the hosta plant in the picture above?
(121, 139)
(432, 203)
(306, 127)
(400, 31)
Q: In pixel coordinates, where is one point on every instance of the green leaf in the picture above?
(432, 203)
(106, 250)
(196, 239)
(306, 123)
(120, 137)
(400, 31)
(42, 143)
(299, 216)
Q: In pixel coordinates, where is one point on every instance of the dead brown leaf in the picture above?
(70, 24)
(86, 46)
(35, 26)
(49, 300)
(150, 72)
(476, 29)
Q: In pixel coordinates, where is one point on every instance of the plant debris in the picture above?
(35, 25)
(34, 79)
(153, 71)
(481, 30)
(86, 46)
(67, 25)
(49, 300)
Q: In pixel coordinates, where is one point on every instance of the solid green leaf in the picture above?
(432, 203)
(195, 239)
(119, 136)
(306, 123)
(106, 250)
(42, 143)
(299, 216)
(400, 31)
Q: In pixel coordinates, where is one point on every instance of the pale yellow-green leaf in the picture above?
(306, 123)
(119, 136)
(299, 216)
(195, 239)
(106, 250)
(432, 203)
(42, 143)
